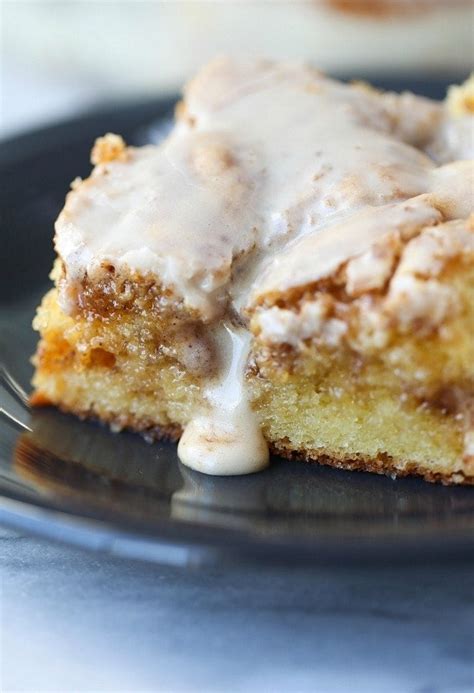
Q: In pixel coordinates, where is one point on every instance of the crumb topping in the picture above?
(460, 99)
(276, 178)
(262, 153)
(273, 176)
(395, 286)
(108, 148)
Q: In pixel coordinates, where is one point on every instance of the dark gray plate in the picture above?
(78, 482)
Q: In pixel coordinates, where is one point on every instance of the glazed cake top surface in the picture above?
(273, 176)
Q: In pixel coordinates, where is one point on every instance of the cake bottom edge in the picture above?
(382, 463)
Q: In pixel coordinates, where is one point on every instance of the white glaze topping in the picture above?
(273, 176)
(263, 153)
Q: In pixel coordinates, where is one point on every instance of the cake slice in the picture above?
(291, 269)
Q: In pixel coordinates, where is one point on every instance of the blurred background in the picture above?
(62, 56)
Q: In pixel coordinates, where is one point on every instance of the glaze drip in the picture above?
(226, 438)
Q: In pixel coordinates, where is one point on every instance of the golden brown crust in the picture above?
(109, 292)
(460, 99)
(375, 9)
(108, 148)
(384, 9)
(149, 429)
(381, 464)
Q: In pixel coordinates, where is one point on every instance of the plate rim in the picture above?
(101, 535)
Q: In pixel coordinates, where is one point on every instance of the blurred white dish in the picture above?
(139, 46)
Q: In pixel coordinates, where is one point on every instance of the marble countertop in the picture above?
(78, 621)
